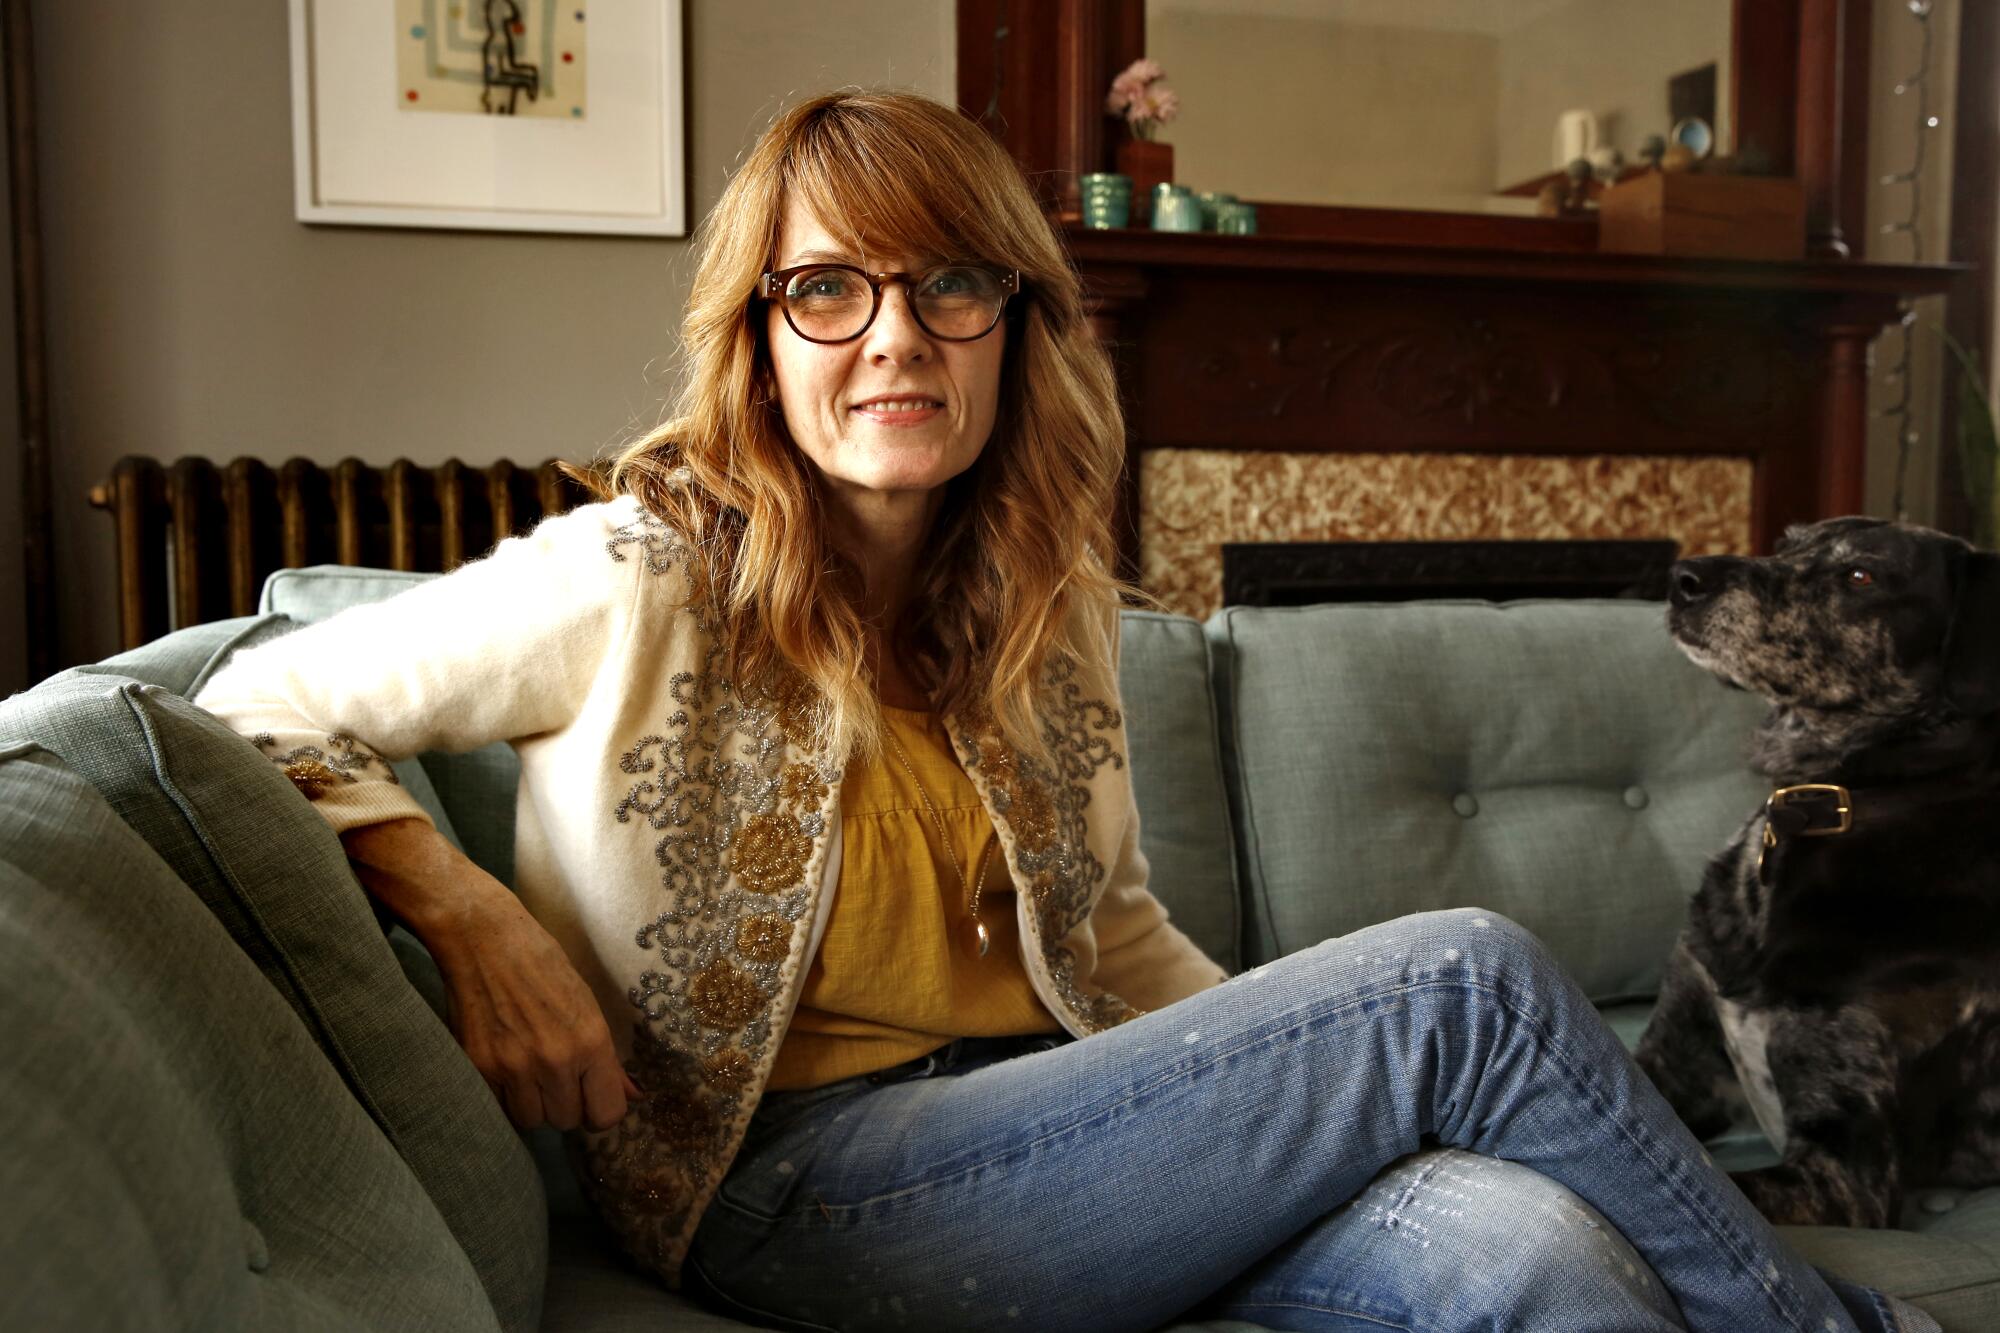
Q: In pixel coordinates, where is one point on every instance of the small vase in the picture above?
(1149, 163)
(1175, 209)
(1236, 219)
(1106, 199)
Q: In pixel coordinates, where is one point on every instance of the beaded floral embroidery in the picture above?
(1041, 809)
(316, 771)
(659, 546)
(739, 808)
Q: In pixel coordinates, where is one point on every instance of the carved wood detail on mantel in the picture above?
(1474, 371)
(1494, 368)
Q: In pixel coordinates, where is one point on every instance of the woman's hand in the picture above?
(527, 1021)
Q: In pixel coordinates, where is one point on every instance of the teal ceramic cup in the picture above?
(1106, 198)
(1236, 219)
(1175, 208)
(1211, 200)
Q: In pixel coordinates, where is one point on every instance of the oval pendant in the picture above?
(976, 939)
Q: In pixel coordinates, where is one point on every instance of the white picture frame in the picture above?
(360, 158)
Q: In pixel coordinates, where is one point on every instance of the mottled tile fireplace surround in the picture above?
(1194, 501)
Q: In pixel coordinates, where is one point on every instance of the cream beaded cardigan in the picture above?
(676, 833)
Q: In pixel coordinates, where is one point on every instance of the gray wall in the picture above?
(13, 592)
(191, 314)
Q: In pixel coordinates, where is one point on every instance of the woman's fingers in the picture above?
(523, 1102)
(605, 1094)
(527, 1021)
(531, 1026)
(562, 1100)
(560, 1046)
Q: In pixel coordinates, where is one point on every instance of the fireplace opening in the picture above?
(1305, 573)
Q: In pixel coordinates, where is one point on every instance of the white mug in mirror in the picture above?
(1454, 105)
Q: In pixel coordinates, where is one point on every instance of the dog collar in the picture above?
(1804, 810)
(1808, 810)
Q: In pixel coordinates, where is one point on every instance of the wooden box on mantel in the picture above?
(1696, 213)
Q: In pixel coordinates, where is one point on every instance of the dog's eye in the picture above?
(1859, 578)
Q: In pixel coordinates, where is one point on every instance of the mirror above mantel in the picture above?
(1435, 105)
(1789, 83)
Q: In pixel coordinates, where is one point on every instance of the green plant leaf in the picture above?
(1978, 445)
(1979, 455)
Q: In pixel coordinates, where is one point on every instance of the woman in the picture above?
(843, 625)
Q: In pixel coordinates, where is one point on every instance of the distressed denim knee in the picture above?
(1448, 1238)
(1486, 935)
(1489, 945)
(1536, 1252)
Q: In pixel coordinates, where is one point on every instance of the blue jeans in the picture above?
(1423, 1125)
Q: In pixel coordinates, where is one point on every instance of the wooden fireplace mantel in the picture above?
(1316, 345)
(1106, 250)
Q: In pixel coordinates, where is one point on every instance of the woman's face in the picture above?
(826, 390)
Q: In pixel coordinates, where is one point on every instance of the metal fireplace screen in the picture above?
(1303, 573)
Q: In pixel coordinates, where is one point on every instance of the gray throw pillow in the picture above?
(270, 869)
(179, 1154)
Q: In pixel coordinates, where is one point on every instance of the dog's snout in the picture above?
(1688, 586)
(1692, 581)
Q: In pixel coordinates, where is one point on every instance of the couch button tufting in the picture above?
(1636, 798)
(1939, 1202)
(255, 1252)
(1465, 804)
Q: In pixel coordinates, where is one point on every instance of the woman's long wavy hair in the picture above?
(1014, 575)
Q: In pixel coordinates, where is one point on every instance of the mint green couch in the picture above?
(227, 1100)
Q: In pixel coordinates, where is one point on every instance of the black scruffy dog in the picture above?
(1841, 962)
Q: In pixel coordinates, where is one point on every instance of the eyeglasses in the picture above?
(836, 303)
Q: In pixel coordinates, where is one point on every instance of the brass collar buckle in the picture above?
(1808, 810)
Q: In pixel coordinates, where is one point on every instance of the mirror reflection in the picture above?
(1455, 105)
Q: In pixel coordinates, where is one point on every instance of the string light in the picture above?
(1899, 373)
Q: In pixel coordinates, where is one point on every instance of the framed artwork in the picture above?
(510, 115)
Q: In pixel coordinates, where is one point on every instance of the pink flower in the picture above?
(1129, 89)
(1165, 104)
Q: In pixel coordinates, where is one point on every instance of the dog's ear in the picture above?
(1972, 644)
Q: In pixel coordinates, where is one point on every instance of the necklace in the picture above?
(974, 940)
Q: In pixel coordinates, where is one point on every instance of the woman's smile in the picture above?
(900, 411)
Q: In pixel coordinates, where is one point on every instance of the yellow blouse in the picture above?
(891, 981)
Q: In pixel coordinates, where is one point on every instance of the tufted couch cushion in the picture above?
(179, 1152)
(1163, 677)
(1395, 759)
(269, 869)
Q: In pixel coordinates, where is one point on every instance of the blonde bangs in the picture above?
(866, 191)
(1014, 577)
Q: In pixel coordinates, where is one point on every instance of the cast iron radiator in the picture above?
(196, 539)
